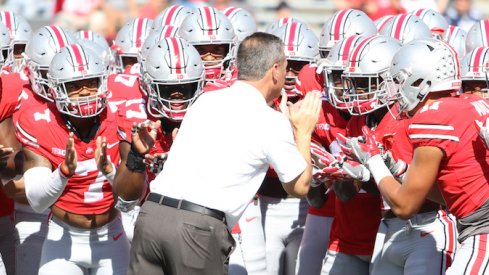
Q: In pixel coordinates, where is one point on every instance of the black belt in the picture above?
(186, 205)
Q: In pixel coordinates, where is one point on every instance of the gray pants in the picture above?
(174, 241)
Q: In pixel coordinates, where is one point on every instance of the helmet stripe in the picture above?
(58, 35)
(338, 24)
(420, 13)
(231, 12)
(485, 32)
(384, 21)
(175, 54)
(79, 60)
(9, 20)
(171, 14)
(138, 31)
(347, 46)
(168, 31)
(209, 19)
(357, 52)
(477, 59)
(291, 35)
(400, 26)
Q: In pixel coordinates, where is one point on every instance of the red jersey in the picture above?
(123, 88)
(330, 123)
(217, 84)
(448, 123)
(356, 221)
(43, 131)
(29, 100)
(11, 94)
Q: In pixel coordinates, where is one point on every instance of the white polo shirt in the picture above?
(223, 149)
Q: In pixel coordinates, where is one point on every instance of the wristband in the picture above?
(110, 176)
(378, 169)
(125, 206)
(63, 172)
(135, 162)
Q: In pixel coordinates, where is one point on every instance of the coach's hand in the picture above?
(304, 114)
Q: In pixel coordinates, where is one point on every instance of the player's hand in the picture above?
(364, 148)
(483, 128)
(398, 167)
(322, 64)
(69, 164)
(355, 170)
(144, 136)
(155, 162)
(104, 165)
(5, 153)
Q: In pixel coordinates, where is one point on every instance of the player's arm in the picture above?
(43, 186)
(129, 180)
(406, 199)
(128, 184)
(10, 151)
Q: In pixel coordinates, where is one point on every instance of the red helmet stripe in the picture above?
(175, 52)
(477, 57)
(208, 20)
(8, 20)
(292, 30)
(59, 35)
(339, 23)
(347, 47)
(399, 27)
(357, 51)
(231, 11)
(79, 57)
(172, 11)
(138, 31)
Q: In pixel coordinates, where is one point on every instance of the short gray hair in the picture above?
(257, 54)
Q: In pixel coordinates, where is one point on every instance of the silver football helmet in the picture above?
(406, 28)
(92, 36)
(4, 44)
(478, 35)
(173, 77)
(300, 48)
(40, 50)
(20, 33)
(275, 25)
(206, 28)
(422, 67)
(363, 77)
(344, 23)
(380, 22)
(171, 16)
(337, 61)
(129, 41)
(474, 67)
(455, 37)
(97, 43)
(434, 20)
(155, 37)
(243, 22)
(72, 64)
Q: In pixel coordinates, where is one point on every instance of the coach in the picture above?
(217, 162)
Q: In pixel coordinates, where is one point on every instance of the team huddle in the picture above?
(400, 158)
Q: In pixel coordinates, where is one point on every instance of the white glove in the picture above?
(483, 131)
(322, 63)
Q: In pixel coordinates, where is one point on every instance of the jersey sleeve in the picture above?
(435, 125)
(308, 80)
